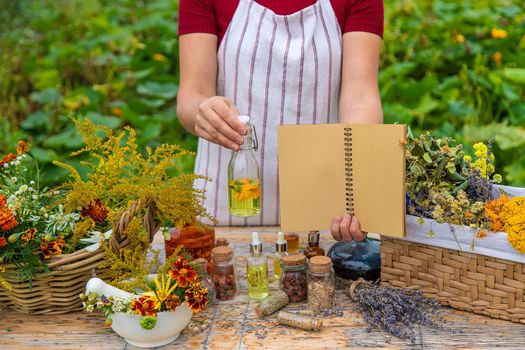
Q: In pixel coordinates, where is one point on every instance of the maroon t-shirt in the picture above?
(214, 16)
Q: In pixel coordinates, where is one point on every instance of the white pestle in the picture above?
(98, 286)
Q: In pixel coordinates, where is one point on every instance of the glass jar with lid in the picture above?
(321, 284)
(223, 272)
(205, 279)
(293, 277)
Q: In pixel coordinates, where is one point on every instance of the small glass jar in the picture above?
(197, 240)
(321, 284)
(292, 239)
(313, 248)
(205, 279)
(293, 277)
(223, 273)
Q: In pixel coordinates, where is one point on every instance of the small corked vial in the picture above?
(307, 323)
(222, 241)
(293, 278)
(321, 284)
(272, 303)
(223, 272)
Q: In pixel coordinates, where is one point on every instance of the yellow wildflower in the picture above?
(159, 57)
(467, 159)
(459, 38)
(499, 33)
(496, 57)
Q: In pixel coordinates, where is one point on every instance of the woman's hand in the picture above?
(347, 228)
(216, 122)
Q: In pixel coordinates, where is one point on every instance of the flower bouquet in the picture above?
(465, 234)
(156, 315)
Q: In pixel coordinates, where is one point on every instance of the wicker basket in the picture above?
(57, 291)
(467, 281)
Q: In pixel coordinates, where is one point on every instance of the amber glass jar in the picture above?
(313, 248)
(196, 240)
(292, 241)
(223, 273)
(293, 277)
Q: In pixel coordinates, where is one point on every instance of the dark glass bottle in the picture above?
(353, 260)
(313, 248)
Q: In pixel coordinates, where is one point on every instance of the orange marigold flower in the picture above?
(196, 297)
(3, 242)
(459, 38)
(117, 111)
(22, 147)
(144, 306)
(481, 234)
(493, 210)
(49, 249)
(29, 235)
(7, 159)
(159, 57)
(96, 211)
(7, 219)
(496, 57)
(183, 273)
(498, 33)
(172, 302)
(3, 201)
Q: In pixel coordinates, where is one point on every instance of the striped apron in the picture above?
(279, 70)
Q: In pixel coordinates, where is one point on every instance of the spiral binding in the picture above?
(348, 172)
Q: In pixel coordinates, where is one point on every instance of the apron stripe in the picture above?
(265, 115)
(300, 90)
(329, 63)
(316, 75)
(237, 56)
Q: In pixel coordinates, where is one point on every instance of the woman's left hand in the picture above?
(347, 228)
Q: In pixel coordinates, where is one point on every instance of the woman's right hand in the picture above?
(217, 122)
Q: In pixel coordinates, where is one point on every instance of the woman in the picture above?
(281, 62)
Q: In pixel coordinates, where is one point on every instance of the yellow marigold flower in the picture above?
(159, 57)
(467, 158)
(496, 57)
(499, 33)
(459, 38)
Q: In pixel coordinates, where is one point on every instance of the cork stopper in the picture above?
(222, 253)
(222, 241)
(320, 264)
(294, 260)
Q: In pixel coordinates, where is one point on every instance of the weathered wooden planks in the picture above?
(235, 325)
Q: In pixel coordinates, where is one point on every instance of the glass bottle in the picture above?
(313, 248)
(197, 240)
(321, 284)
(292, 239)
(204, 279)
(353, 260)
(293, 277)
(257, 270)
(244, 186)
(281, 247)
(223, 273)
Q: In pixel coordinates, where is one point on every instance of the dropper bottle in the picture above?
(257, 270)
(281, 249)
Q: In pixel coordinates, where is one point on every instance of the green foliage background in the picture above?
(116, 63)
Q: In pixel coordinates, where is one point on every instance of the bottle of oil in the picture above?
(257, 270)
(244, 186)
(281, 247)
(313, 248)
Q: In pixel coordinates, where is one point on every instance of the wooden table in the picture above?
(234, 324)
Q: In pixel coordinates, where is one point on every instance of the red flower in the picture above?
(49, 249)
(197, 297)
(183, 273)
(144, 306)
(3, 242)
(7, 158)
(22, 147)
(172, 302)
(3, 201)
(96, 211)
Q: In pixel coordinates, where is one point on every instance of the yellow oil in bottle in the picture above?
(244, 197)
(277, 269)
(258, 281)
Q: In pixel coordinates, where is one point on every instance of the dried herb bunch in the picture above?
(395, 310)
(120, 177)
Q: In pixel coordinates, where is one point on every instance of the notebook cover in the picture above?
(312, 181)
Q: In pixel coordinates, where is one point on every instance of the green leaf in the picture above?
(43, 155)
(46, 96)
(68, 139)
(160, 90)
(37, 120)
(427, 158)
(515, 75)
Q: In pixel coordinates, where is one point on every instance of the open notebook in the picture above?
(327, 170)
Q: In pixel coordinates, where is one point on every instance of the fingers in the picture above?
(226, 119)
(344, 227)
(334, 228)
(355, 230)
(205, 130)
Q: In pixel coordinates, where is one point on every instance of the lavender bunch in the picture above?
(479, 188)
(395, 310)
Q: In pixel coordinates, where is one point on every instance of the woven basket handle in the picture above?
(118, 239)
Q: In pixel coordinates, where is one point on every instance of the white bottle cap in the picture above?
(280, 238)
(255, 238)
(245, 119)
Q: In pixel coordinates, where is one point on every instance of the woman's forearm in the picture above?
(367, 111)
(188, 102)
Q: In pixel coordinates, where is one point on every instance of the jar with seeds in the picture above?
(321, 284)
(223, 273)
(293, 277)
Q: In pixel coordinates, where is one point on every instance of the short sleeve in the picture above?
(364, 16)
(197, 16)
